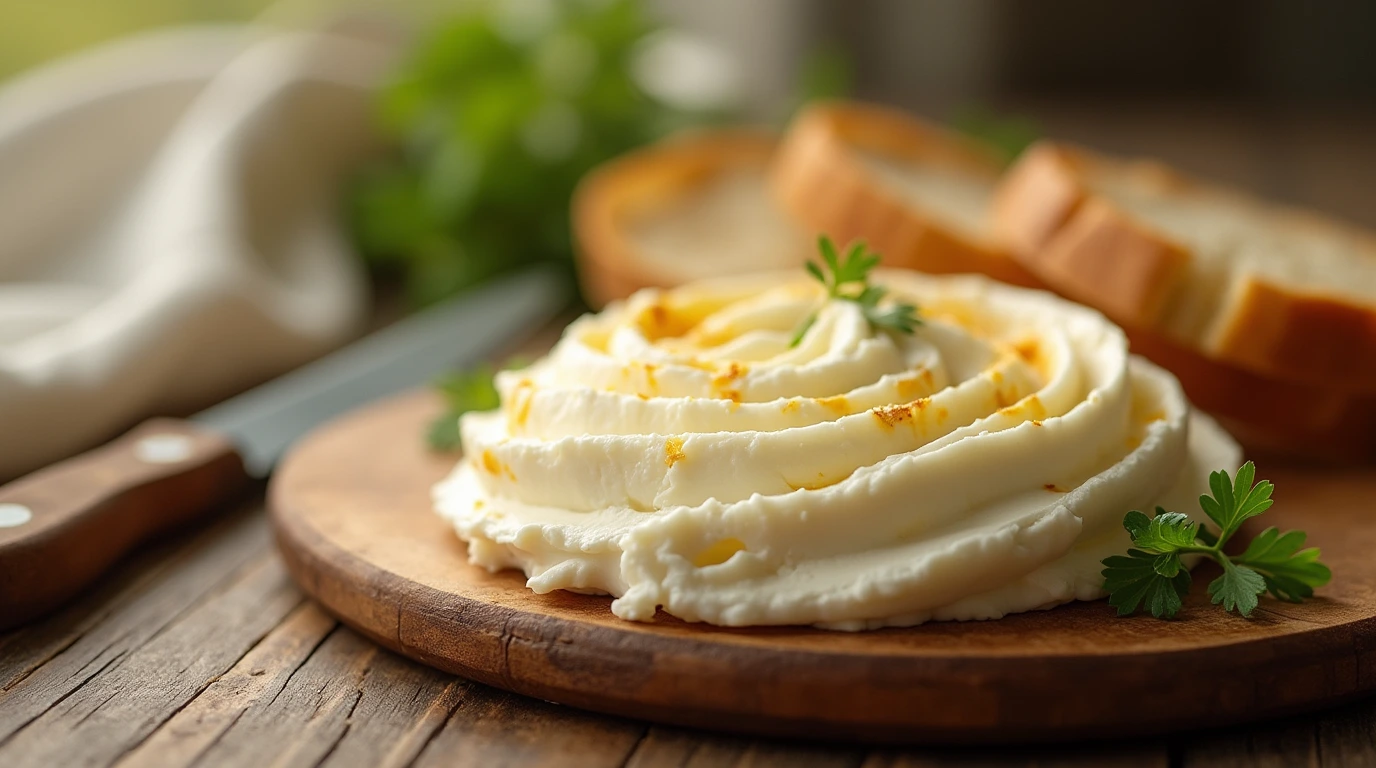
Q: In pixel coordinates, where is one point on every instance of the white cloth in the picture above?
(168, 225)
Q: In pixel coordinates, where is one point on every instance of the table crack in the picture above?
(630, 753)
(287, 682)
(113, 659)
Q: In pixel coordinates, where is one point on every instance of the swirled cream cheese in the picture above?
(676, 452)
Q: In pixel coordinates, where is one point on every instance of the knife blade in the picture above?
(63, 526)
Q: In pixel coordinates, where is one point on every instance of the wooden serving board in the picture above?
(352, 511)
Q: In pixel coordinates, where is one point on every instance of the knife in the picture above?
(63, 526)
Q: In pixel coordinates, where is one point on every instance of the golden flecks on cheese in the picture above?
(723, 381)
(1005, 397)
(1028, 349)
(818, 483)
(521, 401)
(855, 479)
(1028, 408)
(893, 415)
(718, 553)
(836, 403)
(490, 463)
(911, 387)
(657, 321)
(673, 451)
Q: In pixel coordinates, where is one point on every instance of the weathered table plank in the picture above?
(78, 653)
(665, 747)
(1342, 737)
(493, 728)
(116, 685)
(257, 678)
(202, 652)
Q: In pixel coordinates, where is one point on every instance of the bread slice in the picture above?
(1284, 294)
(917, 193)
(693, 206)
(1264, 414)
(699, 206)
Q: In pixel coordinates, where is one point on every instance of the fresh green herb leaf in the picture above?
(1237, 588)
(1234, 502)
(1151, 574)
(1136, 523)
(1290, 574)
(1167, 532)
(900, 317)
(443, 434)
(803, 329)
(1136, 580)
(464, 391)
(847, 279)
(1167, 565)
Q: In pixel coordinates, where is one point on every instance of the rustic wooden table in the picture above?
(201, 650)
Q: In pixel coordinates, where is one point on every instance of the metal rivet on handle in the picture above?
(14, 515)
(163, 449)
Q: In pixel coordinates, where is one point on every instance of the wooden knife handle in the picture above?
(63, 526)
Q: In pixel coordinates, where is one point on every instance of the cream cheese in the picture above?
(676, 452)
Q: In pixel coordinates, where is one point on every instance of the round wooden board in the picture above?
(351, 506)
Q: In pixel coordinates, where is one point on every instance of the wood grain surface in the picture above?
(201, 651)
(81, 515)
(354, 520)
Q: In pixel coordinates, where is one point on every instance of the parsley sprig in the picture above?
(474, 389)
(1152, 575)
(462, 391)
(847, 279)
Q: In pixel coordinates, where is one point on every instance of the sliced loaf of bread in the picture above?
(726, 202)
(690, 207)
(913, 189)
(1285, 294)
(917, 193)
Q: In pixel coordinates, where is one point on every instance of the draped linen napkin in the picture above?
(168, 225)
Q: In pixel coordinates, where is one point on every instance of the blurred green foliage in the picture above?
(826, 73)
(498, 113)
(1007, 134)
(474, 389)
(463, 391)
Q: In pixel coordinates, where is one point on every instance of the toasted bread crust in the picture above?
(1264, 412)
(609, 264)
(1092, 250)
(1279, 417)
(819, 179)
(1102, 258)
(1044, 173)
(1271, 323)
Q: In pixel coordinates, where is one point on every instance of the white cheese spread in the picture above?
(676, 452)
